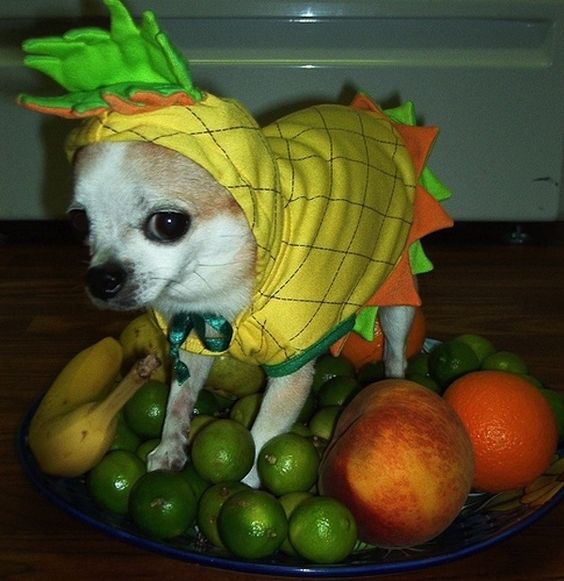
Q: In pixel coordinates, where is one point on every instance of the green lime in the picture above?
(224, 401)
(308, 409)
(111, 480)
(322, 530)
(301, 430)
(223, 450)
(208, 404)
(210, 505)
(418, 364)
(481, 346)
(327, 367)
(232, 377)
(288, 463)
(426, 381)
(162, 504)
(450, 360)
(196, 424)
(556, 402)
(252, 524)
(338, 391)
(371, 372)
(146, 447)
(245, 409)
(145, 411)
(320, 445)
(125, 438)
(323, 422)
(198, 484)
(505, 361)
(534, 380)
(289, 503)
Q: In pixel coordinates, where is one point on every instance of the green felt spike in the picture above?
(435, 187)
(87, 61)
(404, 114)
(365, 322)
(418, 259)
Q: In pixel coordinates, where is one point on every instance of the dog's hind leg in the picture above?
(396, 322)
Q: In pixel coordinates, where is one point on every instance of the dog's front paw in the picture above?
(167, 457)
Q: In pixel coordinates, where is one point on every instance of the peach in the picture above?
(401, 461)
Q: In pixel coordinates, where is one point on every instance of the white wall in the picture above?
(490, 73)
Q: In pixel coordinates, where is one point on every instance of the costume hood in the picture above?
(223, 138)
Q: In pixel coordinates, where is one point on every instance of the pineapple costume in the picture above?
(337, 197)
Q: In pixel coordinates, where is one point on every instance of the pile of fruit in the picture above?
(389, 462)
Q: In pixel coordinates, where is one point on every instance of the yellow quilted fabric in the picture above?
(328, 193)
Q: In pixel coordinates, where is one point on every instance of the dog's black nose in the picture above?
(105, 281)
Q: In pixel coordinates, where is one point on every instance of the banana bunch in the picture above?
(76, 421)
(141, 337)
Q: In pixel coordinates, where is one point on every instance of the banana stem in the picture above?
(124, 390)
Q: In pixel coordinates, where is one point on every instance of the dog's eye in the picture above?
(167, 226)
(80, 223)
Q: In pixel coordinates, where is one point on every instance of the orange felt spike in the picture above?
(399, 287)
(418, 141)
(145, 101)
(65, 113)
(428, 215)
(364, 102)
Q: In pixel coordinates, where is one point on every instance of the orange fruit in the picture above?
(511, 426)
(360, 351)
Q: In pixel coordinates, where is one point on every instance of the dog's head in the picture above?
(161, 231)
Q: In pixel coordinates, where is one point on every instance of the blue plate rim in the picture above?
(259, 567)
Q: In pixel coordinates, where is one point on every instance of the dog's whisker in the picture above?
(221, 264)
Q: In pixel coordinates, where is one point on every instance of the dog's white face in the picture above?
(161, 231)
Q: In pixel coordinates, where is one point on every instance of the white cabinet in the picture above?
(490, 73)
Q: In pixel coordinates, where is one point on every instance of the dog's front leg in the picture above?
(170, 454)
(282, 403)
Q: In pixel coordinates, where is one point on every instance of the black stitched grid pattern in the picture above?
(327, 191)
(348, 188)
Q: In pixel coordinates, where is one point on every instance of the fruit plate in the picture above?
(484, 521)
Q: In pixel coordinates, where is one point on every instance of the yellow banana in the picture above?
(72, 442)
(141, 337)
(87, 377)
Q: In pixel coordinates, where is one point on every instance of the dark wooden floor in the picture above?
(513, 294)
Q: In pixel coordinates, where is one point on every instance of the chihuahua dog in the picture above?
(271, 243)
(164, 234)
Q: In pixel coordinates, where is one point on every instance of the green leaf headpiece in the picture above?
(128, 69)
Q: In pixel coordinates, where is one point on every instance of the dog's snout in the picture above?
(105, 281)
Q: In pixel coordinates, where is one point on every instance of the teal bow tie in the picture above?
(181, 326)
